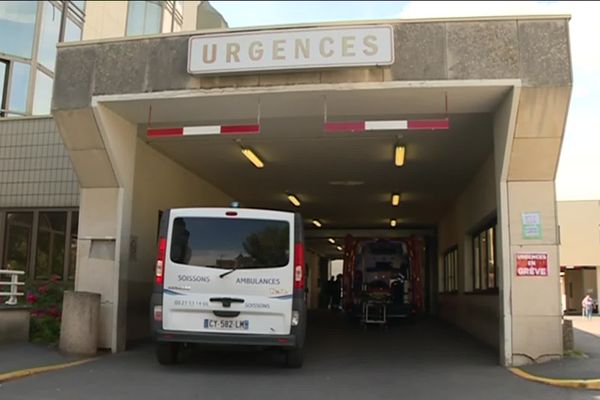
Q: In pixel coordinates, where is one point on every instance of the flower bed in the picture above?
(45, 299)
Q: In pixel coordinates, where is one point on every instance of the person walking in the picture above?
(587, 306)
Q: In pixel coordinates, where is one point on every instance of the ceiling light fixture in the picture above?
(317, 223)
(294, 200)
(331, 240)
(395, 199)
(399, 154)
(254, 159)
(393, 223)
(339, 248)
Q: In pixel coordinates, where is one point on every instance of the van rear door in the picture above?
(229, 270)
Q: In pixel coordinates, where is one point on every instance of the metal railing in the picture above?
(13, 285)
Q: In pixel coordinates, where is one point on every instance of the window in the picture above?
(74, 21)
(143, 18)
(36, 242)
(18, 240)
(3, 85)
(151, 17)
(50, 30)
(32, 29)
(79, 4)
(228, 243)
(450, 271)
(484, 260)
(43, 94)
(17, 22)
(173, 14)
(19, 87)
(50, 249)
(73, 245)
(179, 7)
(72, 32)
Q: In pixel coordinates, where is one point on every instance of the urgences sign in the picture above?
(291, 49)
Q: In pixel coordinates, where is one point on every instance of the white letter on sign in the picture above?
(233, 50)
(256, 51)
(213, 56)
(278, 50)
(325, 53)
(371, 42)
(302, 46)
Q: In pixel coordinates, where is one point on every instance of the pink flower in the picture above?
(55, 278)
(43, 289)
(53, 312)
(31, 298)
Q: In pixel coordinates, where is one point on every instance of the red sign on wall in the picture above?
(532, 264)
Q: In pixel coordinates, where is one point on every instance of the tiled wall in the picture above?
(35, 170)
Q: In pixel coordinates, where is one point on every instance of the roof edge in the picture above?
(320, 25)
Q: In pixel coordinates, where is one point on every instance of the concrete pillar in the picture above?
(102, 147)
(527, 146)
(536, 309)
(79, 325)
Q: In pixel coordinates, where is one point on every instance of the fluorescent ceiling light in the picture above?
(294, 200)
(399, 156)
(395, 199)
(250, 155)
(330, 240)
(317, 223)
(393, 223)
(339, 248)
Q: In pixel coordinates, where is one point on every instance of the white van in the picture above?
(230, 276)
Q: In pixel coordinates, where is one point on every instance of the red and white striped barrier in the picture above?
(250, 129)
(363, 126)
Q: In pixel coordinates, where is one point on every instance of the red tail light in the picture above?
(160, 261)
(299, 266)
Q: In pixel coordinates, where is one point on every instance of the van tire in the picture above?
(166, 353)
(294, 358)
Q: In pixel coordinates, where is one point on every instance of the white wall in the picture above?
(160, 183)
(477, 314)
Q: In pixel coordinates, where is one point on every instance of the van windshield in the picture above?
(230, 243)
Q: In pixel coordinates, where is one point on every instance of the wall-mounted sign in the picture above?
(532, 264)
(532, 225)
(291, 49)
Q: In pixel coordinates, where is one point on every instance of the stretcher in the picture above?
(374, 308)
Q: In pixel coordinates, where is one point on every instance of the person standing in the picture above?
(328, 292)
(336, 295)
(587, 306)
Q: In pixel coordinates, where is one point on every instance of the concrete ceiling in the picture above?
(343, 179)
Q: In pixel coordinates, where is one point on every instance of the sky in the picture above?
(578, 176)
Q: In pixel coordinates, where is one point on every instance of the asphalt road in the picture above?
(424, 360)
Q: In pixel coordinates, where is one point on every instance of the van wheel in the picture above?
(294, 358)
(166, 352)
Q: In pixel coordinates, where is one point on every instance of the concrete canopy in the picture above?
(508, 82)
(145, 80)
(343, 179)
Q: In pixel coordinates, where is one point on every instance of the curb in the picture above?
(593, 384)
(9, 376)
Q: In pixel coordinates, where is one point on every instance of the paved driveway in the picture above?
(424, 360)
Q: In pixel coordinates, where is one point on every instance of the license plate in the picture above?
(230, 324)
